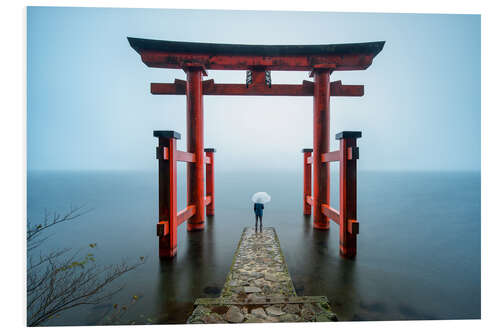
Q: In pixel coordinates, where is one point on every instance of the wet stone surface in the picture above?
(259, 289)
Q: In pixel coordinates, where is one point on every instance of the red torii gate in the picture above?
(258, 60)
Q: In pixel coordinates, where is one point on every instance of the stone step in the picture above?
(259, 288)
(262, 300)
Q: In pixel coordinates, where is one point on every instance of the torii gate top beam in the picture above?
(177, 55)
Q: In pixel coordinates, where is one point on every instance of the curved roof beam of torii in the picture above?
(177, 55)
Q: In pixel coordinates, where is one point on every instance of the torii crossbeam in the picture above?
(256, 89)
(259, 60)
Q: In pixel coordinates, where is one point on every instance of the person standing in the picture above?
(258, 209)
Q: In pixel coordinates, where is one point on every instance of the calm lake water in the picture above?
(419, 247)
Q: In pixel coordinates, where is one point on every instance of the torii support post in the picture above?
(210, 179)
(321, 144)
(167, 192)
(195, 177)
(349, 226)
(307, 179)
(259, 61)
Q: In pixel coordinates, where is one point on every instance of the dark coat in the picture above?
(258, 209)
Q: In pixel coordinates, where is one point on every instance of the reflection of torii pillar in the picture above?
(194, 131)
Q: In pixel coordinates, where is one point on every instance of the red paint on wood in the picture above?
(190, 65)
(339, 89)
(162, 228)
(186, 157)
(185, 214)
(178, 60)
(332, 156)
(258, 76)
(210, 183)
(205, 85)
(195, 170)
(167, 182)
(307, 182)
(353, 227)
(331, 213)
(258, 90)
(348, 200)
(352, 153)
(164, 153)
(321, 145)
(181, 83)
(310, 200)
(210, 88)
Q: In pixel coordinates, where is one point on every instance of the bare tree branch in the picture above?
(50, 220)
(62, 279)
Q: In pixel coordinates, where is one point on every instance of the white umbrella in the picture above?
(261, 197)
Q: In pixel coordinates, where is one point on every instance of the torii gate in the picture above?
(258, 60)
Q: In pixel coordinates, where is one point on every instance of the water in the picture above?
(419, 246)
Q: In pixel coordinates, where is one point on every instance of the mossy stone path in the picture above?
(259, 289)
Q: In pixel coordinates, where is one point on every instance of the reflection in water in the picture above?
(347, 276)
(182, 280)
(324, 271)
(402, 270)
(306, 226)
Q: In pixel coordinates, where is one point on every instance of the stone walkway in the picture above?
(259, 289)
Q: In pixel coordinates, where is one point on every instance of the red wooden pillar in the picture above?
(167, 192)
(349, 226)
(195, 176)
(321, 144)
(210, 180)
(307, 180)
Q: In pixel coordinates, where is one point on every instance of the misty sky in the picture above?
(89, 105)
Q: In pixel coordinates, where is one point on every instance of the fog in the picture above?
(89, 105)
